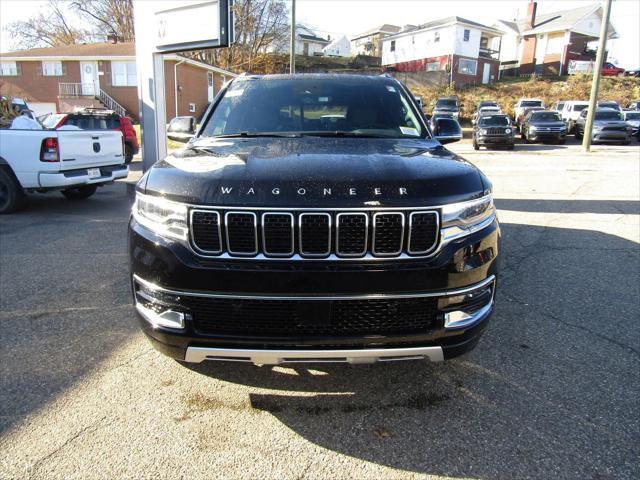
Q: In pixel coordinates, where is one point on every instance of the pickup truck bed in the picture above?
(73, 161)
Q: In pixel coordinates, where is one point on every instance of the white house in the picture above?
(453, 44)
(340, 47)
(545, 44)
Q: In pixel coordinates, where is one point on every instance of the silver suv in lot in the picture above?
(608, 126)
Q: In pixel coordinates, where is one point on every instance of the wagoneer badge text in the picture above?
(303, 191)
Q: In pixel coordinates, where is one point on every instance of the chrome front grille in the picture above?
(314, 234)
(495, 131)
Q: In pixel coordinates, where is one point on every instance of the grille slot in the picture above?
(423, 232)
(287, 318)
(388, 233)
(206, 229)
(315, 234)
(277, 234)
(241, 228)
(352, 231)
(495, 131)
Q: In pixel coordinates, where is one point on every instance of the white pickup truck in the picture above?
(75, 162)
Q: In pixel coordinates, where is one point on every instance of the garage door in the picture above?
(42, 108)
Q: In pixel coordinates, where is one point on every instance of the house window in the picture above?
(123, 74)
(436, 37)
(467, 67)
(8, 69)
(52, 69)
(466, 34)
(433, 66)
(192, 107)
(393, 45)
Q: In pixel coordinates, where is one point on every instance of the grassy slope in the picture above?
(507, 92)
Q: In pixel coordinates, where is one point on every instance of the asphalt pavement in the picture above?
(551, 391)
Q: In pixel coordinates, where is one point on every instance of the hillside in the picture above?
(621, 89)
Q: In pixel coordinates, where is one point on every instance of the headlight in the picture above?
(507, 130)
(483, 131)
(459, 219)
(162, 216)
(533, 127)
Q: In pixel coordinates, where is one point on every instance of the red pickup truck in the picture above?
(610, 70)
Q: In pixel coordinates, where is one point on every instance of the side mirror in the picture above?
(447, 130)
(419, 102)
(181, 129)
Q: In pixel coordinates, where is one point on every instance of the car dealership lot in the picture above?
(550, 392)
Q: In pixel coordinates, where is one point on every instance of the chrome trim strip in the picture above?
(313, 255)
(313, 209)
(276, 357)
(366, 235)
(373, 236)
(255, 233)
(449, 234)
(365, 296)
(192, 237)
(435, 242)
(264, 241)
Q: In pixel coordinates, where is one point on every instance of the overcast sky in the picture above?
(348, 17)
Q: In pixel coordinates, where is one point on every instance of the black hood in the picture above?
(315, 172)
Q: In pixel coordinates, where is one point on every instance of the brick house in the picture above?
(59, 79)
(545, 44)
(455, 45)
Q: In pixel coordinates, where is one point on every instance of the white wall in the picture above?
(339, 48)
(508, 48)
(470, 48)
(589, 25)
(313, 47)
(541, 47)
(419, 45)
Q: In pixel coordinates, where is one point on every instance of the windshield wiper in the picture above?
(256, 134)
(342, 133)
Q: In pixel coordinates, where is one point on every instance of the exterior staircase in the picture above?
(77, 95)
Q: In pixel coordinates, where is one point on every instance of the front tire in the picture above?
(79, 193)
(11, 195)
(475, 145)
(578, 134)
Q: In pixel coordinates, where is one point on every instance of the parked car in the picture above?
(608, 126)
(524, 103)
(274, 238)
(447, 106)
(181, 129)
(635, 105)
(526, 110)
(74, 162)
(488, 103)
(571, 112)
(632, 117)
(543, 126)
(635, 72)
(493, 130)
(558, 107)
(610, 70)
(610, 104)
(485, 111)
(98, 119)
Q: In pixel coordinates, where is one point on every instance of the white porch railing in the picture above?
(76, 90)
(89, 90)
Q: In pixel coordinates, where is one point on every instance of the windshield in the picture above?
(447, 103)
(607, 115)
(495, 121)
(531, 103)
(545, 117)
(329, 106)
(632, 116)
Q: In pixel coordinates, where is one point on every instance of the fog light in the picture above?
(465, 309)
(167, 319)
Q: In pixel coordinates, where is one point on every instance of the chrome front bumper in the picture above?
(277, 357)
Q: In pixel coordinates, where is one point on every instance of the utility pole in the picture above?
(597, 72)
(292, 48)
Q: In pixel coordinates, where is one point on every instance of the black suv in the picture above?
(493, 130)
(543, 126)
(313, 218)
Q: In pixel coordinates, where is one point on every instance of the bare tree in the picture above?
(261, 28)
(48, 28)
(109, 17)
